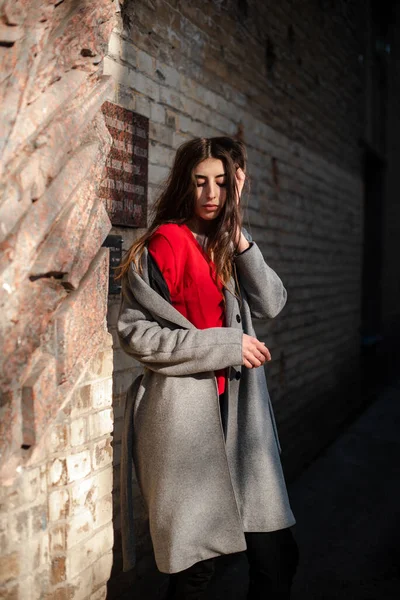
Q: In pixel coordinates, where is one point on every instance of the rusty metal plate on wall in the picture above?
(124, 185)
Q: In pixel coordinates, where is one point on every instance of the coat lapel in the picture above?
(230, 302)
(148, 297)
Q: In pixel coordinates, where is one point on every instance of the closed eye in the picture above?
(222, 185)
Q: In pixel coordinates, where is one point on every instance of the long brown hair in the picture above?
(177, 201)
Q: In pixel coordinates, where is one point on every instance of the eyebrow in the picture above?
(205, 176)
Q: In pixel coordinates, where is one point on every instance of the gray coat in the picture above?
(202, 489)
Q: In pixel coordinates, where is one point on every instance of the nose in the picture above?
(211, 190)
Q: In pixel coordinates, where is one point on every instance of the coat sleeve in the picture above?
(264, 289)
(174, 351)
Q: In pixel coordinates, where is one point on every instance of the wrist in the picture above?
(243, 244)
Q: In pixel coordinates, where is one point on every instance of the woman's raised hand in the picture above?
(254, 352)
(240, 179)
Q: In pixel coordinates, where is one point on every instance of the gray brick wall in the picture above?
(289, 79)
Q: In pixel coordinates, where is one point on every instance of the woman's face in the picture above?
(211, 189)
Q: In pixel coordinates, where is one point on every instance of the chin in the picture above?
(209, 216)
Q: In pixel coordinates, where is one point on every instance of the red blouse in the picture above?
(190, 276)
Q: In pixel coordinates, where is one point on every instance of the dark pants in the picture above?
(272, 559)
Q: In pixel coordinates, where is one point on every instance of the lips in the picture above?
(210, 206)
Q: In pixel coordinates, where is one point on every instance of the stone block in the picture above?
(170, 76)
(78, 465)
(160, 133)
(157, 113)
(157, 174)
(144, 85)
(88, 552)
(145, 62)
(143, 106)
(172, 98)
(82, 314)
(102, 453)
(128, 53)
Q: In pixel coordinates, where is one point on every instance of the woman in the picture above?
(199, 422)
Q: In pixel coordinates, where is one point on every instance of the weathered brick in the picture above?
(57, 537)
(143, 106)
(86, 554)
(10, 592)
(103, 511)
(169, 75)
(58, 570)
(101, 391)
(102, 453)
(100, 423)
(80, 527)
(78, 465)
(58, 438)
(78, 431)
(145, 62)
(157, 174)
(59, 504)
(85, 493)
(57, 472)
(100, 594)
(81, 400)
(9, 567)
(157, 113)
(101, 365)
(102, 569)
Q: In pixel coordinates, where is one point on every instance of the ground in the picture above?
(348, 519)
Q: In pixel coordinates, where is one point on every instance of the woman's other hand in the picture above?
(254, 352)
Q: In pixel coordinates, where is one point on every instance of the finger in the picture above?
(240, 174)
(268, 355)
(255, 362)
(247, 364)
(261, 347)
